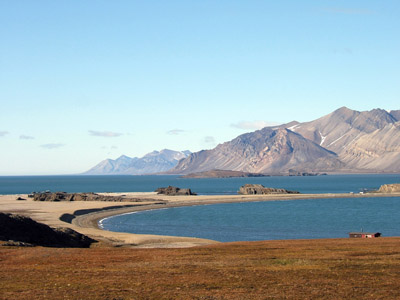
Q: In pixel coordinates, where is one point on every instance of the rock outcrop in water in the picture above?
(259, 189)
(23, 231)
(390, 188)
(174, 191)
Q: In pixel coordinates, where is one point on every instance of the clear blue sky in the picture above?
(81, 81)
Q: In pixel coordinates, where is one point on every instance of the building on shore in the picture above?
(364, 235)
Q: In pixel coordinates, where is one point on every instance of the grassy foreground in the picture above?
(301, 269)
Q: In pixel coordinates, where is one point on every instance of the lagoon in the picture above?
(272, 220)
(299, 219)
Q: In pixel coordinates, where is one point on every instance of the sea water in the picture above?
(316, 218)
(204, 186)
(252, 221)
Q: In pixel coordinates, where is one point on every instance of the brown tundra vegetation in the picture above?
(300, 269)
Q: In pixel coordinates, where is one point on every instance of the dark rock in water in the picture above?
(174, 191)
(19, 228)
(258, 189)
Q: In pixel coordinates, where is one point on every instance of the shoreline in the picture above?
(96, 217)
(85, 215)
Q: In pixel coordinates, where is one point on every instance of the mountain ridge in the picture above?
(153, 162)
(344, 141)
(266, 150)
(362, 140)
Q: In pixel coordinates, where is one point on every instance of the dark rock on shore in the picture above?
(222, 174)
(258, 189)
(20, 230)
(62, 196)
(174, 191)
(12, 243)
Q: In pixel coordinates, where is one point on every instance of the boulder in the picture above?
(259, 189)
(174, 191)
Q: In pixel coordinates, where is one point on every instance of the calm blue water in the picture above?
(252, 221)
(206, 186)
(323, 218)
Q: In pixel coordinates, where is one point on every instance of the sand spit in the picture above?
(83, 216)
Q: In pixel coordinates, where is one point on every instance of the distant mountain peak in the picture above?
(154, 162)
(123, 157)
(267, 150)
(155, 152)
(343, 109)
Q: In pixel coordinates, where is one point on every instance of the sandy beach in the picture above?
(83, 216)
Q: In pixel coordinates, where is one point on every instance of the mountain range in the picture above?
(363, 141)
(154, 162)
(344, 141)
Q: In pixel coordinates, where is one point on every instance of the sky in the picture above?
(82, 81)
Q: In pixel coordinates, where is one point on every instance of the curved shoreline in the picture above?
(85, 215)
(92, 219)
(95, 217)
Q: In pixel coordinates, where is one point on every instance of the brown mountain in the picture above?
(342, 141)
(367, 141)
(267, 150)
(395, 114)
(377, 151)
